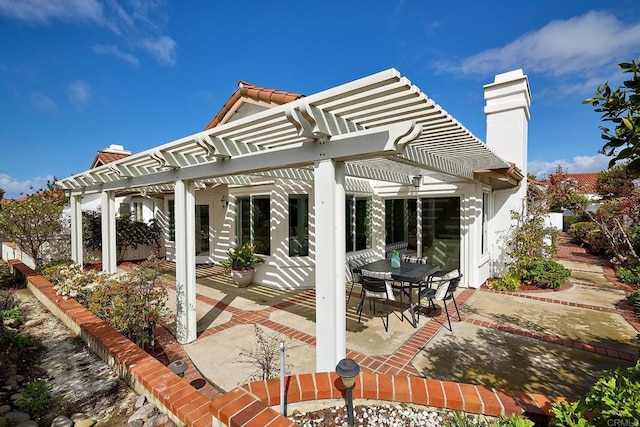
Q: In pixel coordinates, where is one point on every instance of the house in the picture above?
(585, 183)
(313, 180)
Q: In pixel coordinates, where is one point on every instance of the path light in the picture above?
(178, 367)
(348, 370)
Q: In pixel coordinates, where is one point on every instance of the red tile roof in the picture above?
(247, 90)
(586, 181)
(104, 157)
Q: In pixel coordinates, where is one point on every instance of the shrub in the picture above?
(509, 282)
(629, 275)
(543, 273)
(579, 231)
(8, 306)
(35, 396)
(132, 303)
(598, 241)
(634, 299)
(72, 281)
(615, 396)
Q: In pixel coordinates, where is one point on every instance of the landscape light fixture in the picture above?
(348, 370)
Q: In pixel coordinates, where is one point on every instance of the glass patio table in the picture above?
(405, 278)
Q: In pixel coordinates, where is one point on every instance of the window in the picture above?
(172, 219)
(254, 223)
(298, 225)
(358, 223)
(441, 231)
(125, 210)
(485, 222)
(202, 230)
(401, 222)
(136, 214)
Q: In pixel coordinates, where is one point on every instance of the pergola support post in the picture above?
(109, 252)
(330, 264)
(186, 322)
(76, 229)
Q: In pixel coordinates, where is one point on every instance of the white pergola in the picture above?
(379, 127)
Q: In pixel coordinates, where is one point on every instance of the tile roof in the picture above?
(586, 181)
(104, 157)
(257, 93)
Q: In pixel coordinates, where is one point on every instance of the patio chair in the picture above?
(414, 259)
(446, 286)
(376, 286)
(355, 263)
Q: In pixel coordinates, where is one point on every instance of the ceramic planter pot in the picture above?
(242, 278)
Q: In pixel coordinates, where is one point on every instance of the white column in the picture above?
(185, 250)
(109, 252)
(330, 264)
(76, 229)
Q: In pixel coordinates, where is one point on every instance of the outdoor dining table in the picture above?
(405, 278)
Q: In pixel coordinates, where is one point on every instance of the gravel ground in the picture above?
(381, 415)
(80, 381)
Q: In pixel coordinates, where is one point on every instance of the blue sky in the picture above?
(79, 75)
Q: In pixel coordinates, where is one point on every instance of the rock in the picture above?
(12, 323)
(158, 420)
(135, 423)
(15, 397)
(33, 322)
(16, 417)
(28, 423)
(4, 409)
(61, 421)
(82, 420)
(140, 401)
(144, 413)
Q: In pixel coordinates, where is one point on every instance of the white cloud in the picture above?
(15, 188)
(42, 102)
(580, 47)
(79, 93)
(43, 11)
(137, 22)
(542, 169)
(162, 48)
(104, 49)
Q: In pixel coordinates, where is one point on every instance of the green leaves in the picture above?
(615, 396)
(242, 257)
(622, 108)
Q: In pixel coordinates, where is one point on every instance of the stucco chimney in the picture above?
(507, 109)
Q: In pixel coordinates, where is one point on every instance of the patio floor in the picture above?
(554, 342)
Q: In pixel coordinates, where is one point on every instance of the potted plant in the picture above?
(241, 262)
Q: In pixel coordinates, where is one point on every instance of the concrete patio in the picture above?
(555, 343)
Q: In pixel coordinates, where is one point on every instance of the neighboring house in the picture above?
(586, 185)
(314, 180)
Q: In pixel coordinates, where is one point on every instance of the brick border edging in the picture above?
(175, 396)
(251, 405)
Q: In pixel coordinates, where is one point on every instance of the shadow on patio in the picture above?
(512, 341)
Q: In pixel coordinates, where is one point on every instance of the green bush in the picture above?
(543, 273)
(568, 221)
(579, 231)
(35, 397)
(629, 275)
(615, 396)
(598, 241)
(634, 299)
(132, 302)
(509, 282)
